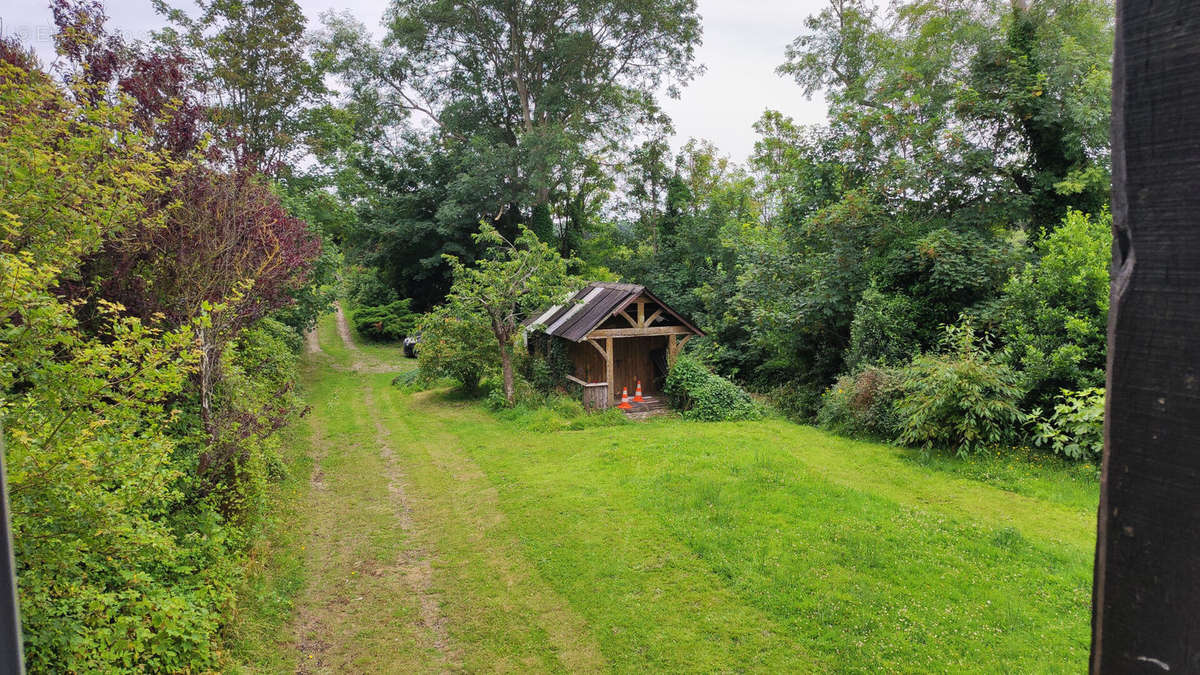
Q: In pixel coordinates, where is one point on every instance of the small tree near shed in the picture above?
(457, 344)
(514, 279)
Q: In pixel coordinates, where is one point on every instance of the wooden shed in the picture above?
(615, 336)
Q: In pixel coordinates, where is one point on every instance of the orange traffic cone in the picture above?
(624, 399)
(637, 394)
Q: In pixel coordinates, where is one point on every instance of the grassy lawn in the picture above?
(425, 533)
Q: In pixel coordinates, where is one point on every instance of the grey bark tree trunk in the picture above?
(1146, 602)
(506, 369)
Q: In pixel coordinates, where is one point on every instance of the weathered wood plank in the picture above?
(639, 332)
(1147, 573)
(596, 396)
(608, 356)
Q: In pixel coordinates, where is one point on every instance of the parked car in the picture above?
(410, 345)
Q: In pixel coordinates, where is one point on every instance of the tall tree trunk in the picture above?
(506, 369)
(504, 331)
(1146, 602)
(210, 361)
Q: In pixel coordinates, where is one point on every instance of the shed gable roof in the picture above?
(591, 305)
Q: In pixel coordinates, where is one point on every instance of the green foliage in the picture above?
(385, 323)
(532, 144)
(408, 381)
(539, 412)
(956, 134)
(684, 247)
(795, 400)
(362, 287)
(948, 271)
(1012, 101)
(608, 61)
(133, 493)
(704, 395)
(252, 57)
(962, 399)
(524, 395)
(1055, 311)
(256, 396)
(515, 279)
(317, 294)
(862, 404)
(1075, 428)
(110, 578)
(548, 363)
(459, 346)
(885, 330)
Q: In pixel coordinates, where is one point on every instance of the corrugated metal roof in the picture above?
(588, 308)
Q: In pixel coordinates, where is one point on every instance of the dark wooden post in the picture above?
(1146, 603)
(12, 659)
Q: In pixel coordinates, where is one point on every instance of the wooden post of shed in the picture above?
(608, 369)
(675, 345)
(1146, 595)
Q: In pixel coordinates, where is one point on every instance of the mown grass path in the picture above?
(432, 537)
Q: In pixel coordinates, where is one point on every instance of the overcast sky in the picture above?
(743, 44)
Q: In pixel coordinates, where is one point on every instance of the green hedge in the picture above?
(385, 323)
(703, 395)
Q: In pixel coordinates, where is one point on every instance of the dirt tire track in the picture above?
(575, 648)
(308, 622)
(414, 609)
(312, 341)
(343, 328)
(414, 564)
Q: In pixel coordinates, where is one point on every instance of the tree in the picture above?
(137, 442)
(231, 257)
(965, 111)
(460, 347)
(515, 279)
(957, 134)
(88, 406)
(419, 208)
(532, 91)
(251, 56)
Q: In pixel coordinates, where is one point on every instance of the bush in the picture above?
(795, 400)
(703, 395)
(884, 330)
(255, 398)
(1076, 427)
(385, 323)
(554, 412)
(862, 404)
(961, 400)
(362, 287)
(408, 381)
(461, 348)
(1055, 311)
